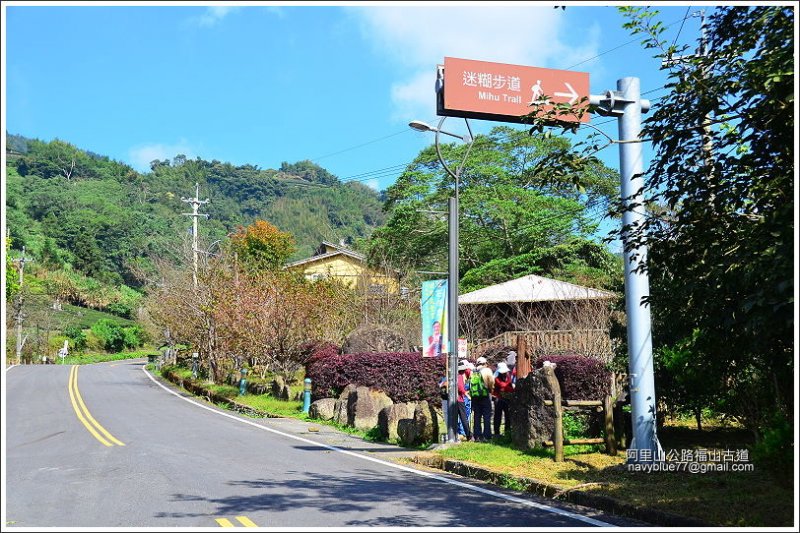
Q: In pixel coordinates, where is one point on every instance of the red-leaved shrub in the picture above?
(580, 377)
(404, 377)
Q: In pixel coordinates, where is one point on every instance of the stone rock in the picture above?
(363, 406)
(285, 393)
(390, 417)
(257, 388)
(278, 384)
(322, 409)
(426, 423)
(422, 428)
(340, 409)
(406, 431)
(531, 421)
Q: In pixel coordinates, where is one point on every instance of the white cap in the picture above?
(502, 368)
(462, 366)
(481, 361)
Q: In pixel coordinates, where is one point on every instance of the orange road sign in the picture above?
(503, 92)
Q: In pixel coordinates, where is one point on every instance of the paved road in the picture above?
(108, 445)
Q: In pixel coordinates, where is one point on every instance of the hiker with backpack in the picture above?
(481, 387)
(503, 389)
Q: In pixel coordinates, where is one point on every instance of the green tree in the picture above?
(511, 211)
(722, 264)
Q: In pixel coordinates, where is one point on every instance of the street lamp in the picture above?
(452, 277)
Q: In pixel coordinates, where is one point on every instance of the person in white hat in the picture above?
(503, 388)
(480, 389)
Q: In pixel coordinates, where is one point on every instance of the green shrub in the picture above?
(133, 336)
(576, 425)
(93, 342)
(77, 338)
(111, 334)
(775, 450)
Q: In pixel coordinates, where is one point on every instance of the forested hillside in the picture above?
(108, 221)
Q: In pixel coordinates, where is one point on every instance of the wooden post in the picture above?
(608, 417)
(523, 362)
(558, 431)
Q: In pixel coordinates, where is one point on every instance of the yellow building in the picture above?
(330, 260)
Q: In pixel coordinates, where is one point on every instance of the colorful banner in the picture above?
(434, 317)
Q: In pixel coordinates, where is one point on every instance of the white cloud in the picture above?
(373, 184)
(416, 39)
(140, 157)
(213, 15)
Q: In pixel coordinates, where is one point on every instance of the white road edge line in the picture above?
(467, 486)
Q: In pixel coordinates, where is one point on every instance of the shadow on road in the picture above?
(366, 498)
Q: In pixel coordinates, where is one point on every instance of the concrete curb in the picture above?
(547, 490)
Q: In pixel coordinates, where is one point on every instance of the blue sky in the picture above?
(266, 83)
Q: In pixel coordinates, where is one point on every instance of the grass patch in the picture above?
(86, 359)
(734, 499)
(273, 406)
(38, 307)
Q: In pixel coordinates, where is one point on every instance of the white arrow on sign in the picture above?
(572, 94)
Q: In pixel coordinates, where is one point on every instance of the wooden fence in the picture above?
(592, 342)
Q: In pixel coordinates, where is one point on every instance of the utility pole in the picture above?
(627, 105)
(20, 342)
(195, 202)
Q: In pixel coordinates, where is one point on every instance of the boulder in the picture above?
(531, 421)
(422, 428)
(340, 408)
(406, 431)
(322, 409)
(363, 406)
(285, 393)
(278, 384)
(426, 423)
(391, 416)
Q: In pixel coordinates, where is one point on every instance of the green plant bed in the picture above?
(734, 499)
(274, 406)
(86, 359)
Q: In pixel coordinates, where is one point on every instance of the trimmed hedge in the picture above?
(404, 377)
(580, 377)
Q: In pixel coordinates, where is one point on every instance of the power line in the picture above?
(622, 45)
(406, 130)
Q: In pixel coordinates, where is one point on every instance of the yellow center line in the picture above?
(224, 522)
(246, 521)
(80, 414)
(77, 394)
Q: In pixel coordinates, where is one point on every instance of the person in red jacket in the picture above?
(503, 387)
(462, 395)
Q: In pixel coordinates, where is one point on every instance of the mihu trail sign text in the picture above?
(502, 92)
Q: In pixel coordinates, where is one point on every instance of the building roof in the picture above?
(338, 250)
(532, 288)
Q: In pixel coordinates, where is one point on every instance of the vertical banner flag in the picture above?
(433, 308)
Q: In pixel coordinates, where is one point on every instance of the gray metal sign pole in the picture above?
(626, 104)
(452, 319)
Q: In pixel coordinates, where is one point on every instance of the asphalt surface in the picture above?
(160, 458)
